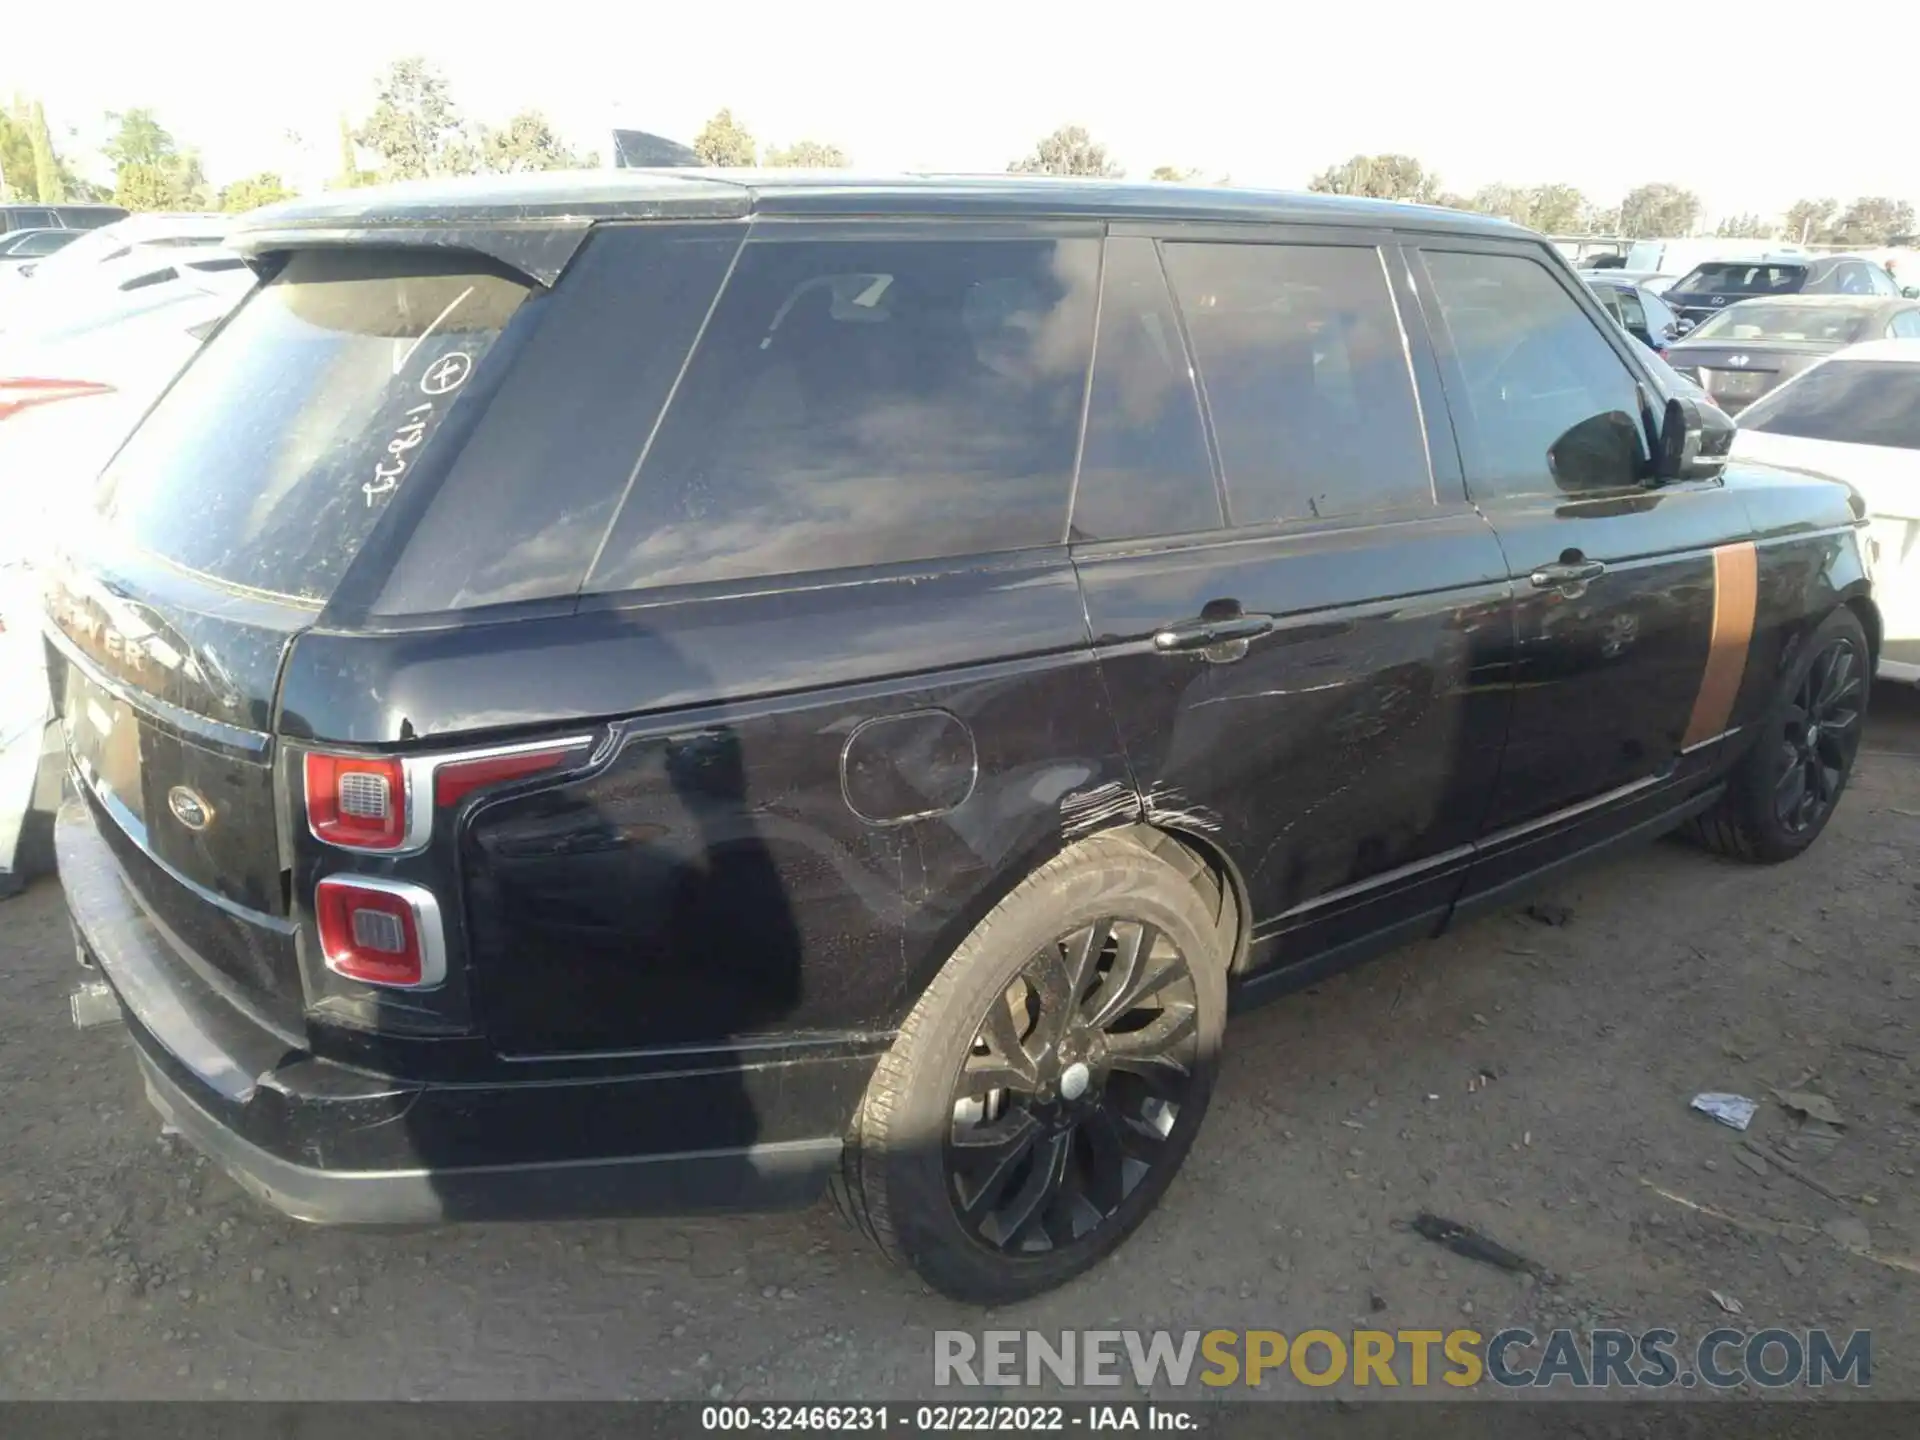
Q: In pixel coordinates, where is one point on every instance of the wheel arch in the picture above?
(1189, 848)
(1862, 605)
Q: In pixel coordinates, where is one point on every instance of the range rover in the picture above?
(658, 690)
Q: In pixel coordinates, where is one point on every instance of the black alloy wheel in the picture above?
(1074, 1084)
(1821, 733)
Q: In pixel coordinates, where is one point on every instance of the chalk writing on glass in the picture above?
(408, 434)
(449, 372)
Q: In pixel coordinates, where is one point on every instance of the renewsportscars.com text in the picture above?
(1513, 1358)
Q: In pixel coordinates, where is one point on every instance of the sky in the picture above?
(1478, 90)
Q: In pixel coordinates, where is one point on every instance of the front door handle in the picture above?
(1203, 634)
(1567, 574)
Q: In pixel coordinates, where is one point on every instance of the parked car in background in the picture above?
(1641, 312)
(1716, 284)
(58, 217)
(1855, 417)
(28, 245)
(1678, 256)
(1658, 281)
(1742, 352)
(799, 691)
(75, 376)
(123, 243)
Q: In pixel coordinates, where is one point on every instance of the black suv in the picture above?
(58, 217)
(605, 694)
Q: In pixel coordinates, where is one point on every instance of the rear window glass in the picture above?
(277, 451)
(1740, 277)
(867, 402)
(1757, 320)
(1860, 402)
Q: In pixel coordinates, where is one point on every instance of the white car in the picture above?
(82, 359)
(1855, 416)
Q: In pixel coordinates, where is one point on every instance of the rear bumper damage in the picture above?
(332, 1143)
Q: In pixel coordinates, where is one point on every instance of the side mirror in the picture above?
(1682, 325)
(1602, 452)
(1912, 292)
(1694, 441)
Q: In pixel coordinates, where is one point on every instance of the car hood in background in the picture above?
(1888, 484)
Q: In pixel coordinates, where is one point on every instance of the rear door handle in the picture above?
(1559, 576)
(1200, 634)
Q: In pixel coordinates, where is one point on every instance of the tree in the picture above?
(1873, 220)
(1808, 221)
(1557, 209)
(1743, 227)
(266, 188)
(724, 142)
(1070, 150)
(351, 174)
(1509, 202)
(176, 184)
(1382, 177)
(1659, 209)
(415, 127)
(138, 139)
(47, 180)
(16, 160)
(807, 155)
(151, 171)
(1175, 174)
(528, 143)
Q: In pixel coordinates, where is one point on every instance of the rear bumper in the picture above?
(333, 1143)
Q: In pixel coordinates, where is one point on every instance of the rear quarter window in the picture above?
(856, 402)
(279, 448)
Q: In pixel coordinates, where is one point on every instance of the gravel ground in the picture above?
(1529, 1078)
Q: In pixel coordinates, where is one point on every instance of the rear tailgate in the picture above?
(226, 523)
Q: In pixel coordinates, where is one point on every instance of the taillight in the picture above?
(454, 780)
(359, 802)
(386, 803)
(380, 932)
(21, 394)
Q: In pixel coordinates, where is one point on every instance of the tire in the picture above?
(996, 1191)
(1753, 822)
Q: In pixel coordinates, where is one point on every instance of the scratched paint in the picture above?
(1086, 811)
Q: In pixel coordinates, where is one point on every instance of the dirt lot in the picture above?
(130, 1268)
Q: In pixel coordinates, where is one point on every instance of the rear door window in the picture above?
(1144, 468)
(1304, 367)
(278, 450)
(867, 401)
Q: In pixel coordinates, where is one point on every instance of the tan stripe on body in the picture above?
(1736, 584)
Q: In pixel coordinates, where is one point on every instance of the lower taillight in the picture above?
(380, 932)
(21, 394)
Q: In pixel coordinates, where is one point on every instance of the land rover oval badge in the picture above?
(189, 809)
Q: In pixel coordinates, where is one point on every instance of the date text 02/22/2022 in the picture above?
(948, 1419)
